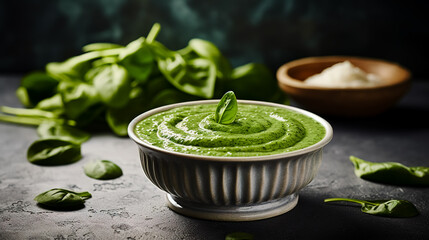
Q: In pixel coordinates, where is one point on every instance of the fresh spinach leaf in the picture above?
(112, 85)
(247, 78)
(102, 62)
(195, 76)
(54, 130)
(208, 50)
(72, 69)
(27, 112)
(77, 97)
(138, 60)
(102, 169)
(119, 118)
(24, 120)
(239, 236)
(51, 152)
(62, 198)
(386, 208)
(390, 172)
(92, 117)
(205, 49)
(35, 87)
(53, 104)
(96, 86)
(30, 116)
(100, 46)
(226, 109)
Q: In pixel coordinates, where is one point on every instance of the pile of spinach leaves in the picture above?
(110, 83)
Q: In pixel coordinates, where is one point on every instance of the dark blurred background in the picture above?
(35, 32)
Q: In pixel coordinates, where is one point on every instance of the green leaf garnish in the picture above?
(386, 208)
(390, 172)
(226, 109)
(102, 169)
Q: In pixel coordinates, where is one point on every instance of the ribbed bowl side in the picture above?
(229, 183)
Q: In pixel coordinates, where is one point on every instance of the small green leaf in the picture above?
(102, 169)
(112, 85)
(205, 48)
(390, 172)
(208, 50)
(53, 104)
(51, 152)
(35, 87)
(196, 76)
(138, 60)
(54, 130)
(73, 68)
(239, 236)
(385, 208)
(226, 109)
(77, 98)
(62, 198)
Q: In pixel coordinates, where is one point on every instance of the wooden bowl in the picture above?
(341, 101)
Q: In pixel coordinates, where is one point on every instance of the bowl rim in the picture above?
(324, 141)
(284, 78)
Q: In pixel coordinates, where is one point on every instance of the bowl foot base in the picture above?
(233, 213)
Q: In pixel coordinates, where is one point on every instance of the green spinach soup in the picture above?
(257, 130)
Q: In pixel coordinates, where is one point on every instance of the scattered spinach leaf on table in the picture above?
(390, 172)
(102, 169)
(385, 208)
(52, 152)
(226, 109)
(62, 198)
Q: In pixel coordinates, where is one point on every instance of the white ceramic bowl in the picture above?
(230, 188)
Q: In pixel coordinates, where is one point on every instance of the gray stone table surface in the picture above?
(131, 207)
